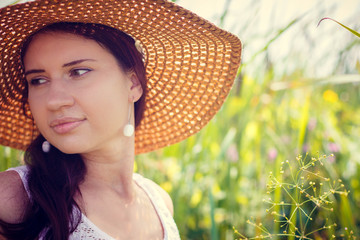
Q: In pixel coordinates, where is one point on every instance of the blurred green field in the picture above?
(218, 178)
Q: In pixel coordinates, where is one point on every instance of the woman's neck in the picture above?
(113, 171)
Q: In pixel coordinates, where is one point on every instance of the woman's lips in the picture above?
(66, 125)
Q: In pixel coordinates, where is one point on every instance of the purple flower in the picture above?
(232, 153)
(272, 154)
(312, 124)
(333, 147)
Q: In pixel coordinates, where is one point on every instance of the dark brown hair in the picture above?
(54, 177)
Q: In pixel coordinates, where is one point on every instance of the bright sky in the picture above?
(305, 45)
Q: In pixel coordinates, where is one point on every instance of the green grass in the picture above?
(225, 167)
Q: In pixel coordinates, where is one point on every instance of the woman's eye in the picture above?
(79, 72)
(37, 81)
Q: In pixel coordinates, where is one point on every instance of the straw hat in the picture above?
(190, 64)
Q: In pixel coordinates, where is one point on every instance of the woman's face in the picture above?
(79, 96)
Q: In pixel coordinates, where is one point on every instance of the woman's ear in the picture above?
(136, 90)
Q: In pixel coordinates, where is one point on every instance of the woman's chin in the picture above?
(70, 149)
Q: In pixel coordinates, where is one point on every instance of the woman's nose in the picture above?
(59, 96)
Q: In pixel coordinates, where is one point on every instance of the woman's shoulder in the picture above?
(164, 195)
(13, 197)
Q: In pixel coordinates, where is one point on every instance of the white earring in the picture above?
(129, 128)
(46, 146)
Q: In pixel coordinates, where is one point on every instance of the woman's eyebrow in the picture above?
(77, 62)
(34, 71)
(65, 65)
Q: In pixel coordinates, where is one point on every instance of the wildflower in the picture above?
(167, 186)
(333, 147)
(232, 153)
(196, 198)
(330, 96)
(272, 154)
(312, 124)
(306, 147)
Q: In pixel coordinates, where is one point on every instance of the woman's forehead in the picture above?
(58, 37)
(57, 44)
(53, 52)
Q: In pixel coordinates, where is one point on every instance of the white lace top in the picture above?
(88, 230)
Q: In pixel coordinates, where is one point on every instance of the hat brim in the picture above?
(190, 64)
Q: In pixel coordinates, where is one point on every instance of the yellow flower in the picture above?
(216, 189)
(251, 130)
(243, 200)
(173, 169)
(196, 198)
(167, 186)
(198, 176)
(330, 96)
(219, 216)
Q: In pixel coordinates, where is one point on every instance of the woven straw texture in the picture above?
(190, 64)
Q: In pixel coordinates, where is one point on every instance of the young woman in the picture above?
(74, 85)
